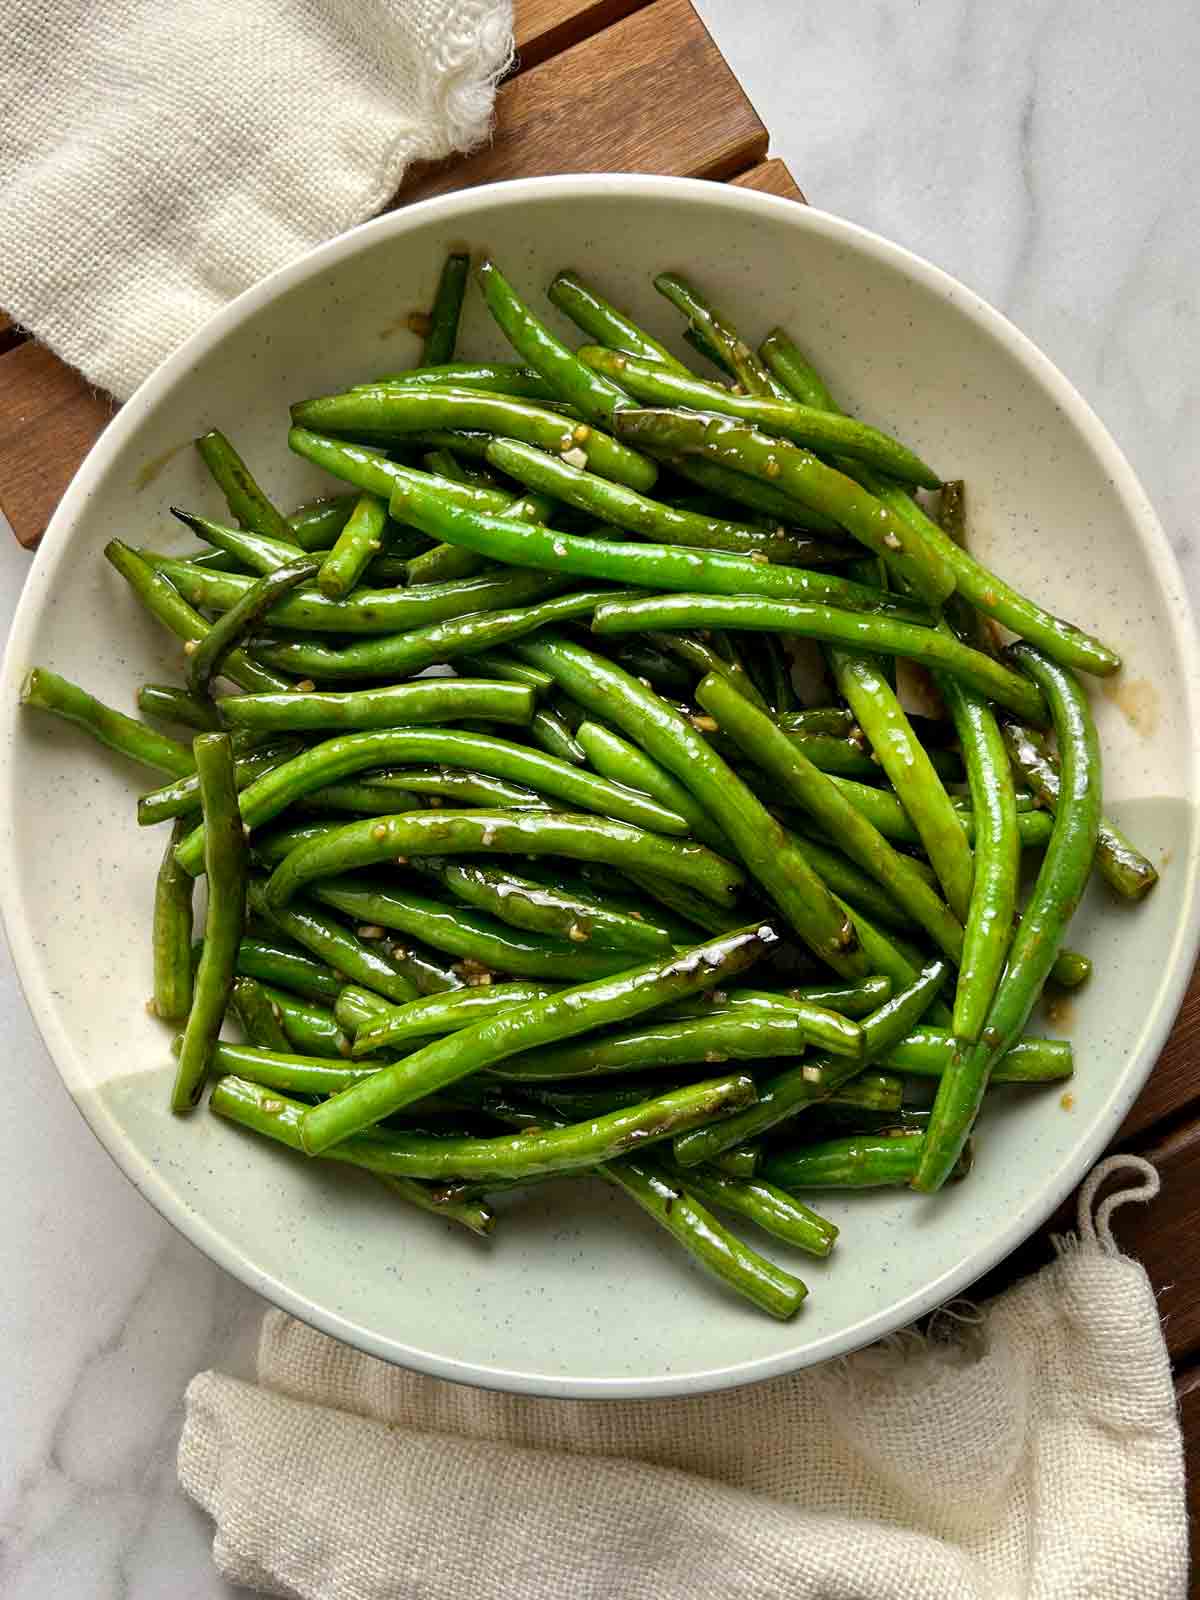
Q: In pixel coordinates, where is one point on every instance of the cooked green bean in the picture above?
(359, 540)
(862, 1161)
(659, 566)
(615, 757)
(181, 798)
(245, 499)
(799, 779)
(260, 1023)
(225, 864)
(309, 1028)
(766, 1205)
(858, 888)
(704, 658)
(284, 966)
(1070, 969)
(429, 974)
(761, 496)
(497, 377)
(1060, 882)
(610, 693)
(1119, 862)
(801, 380)
(316, 524)
(169, 704)
(445, 561)
(46, 691)
(207, 656)
(165, 602)
(927, 1051)
(432, 1015)
(335, 945)
(404, 654)
(383, 413)
(608, 326)
(442, 334)
(891, 635)
(172, 939)
(582, 920)
(427, 700)
(367, 798)
(288, 1070)
(499, 664)
(826, 431)
(715, 335)
(559, 1016)
(548, 730)
(848, 999)
(462, 788)
(650, 519)
(819, 1077)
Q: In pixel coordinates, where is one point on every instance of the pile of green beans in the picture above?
(501, 778)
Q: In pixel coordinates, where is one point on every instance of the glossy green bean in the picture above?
(206, 657)
(181, 798)
(703, 658)
(164, 602)
(496, 377)
(714, 333)
(858, 888)
(225, 864)
(316, 524)
(761, 496)
(284, 966)
(334, 944)
(444, 561)
(857, 631)
(927, 1052)
(1118, 861)
(499, 664)
(559, 1016)
(825, 431)
(821, 1076)
(791, 368)
(548, 730)
(614, 695)
(260, 1023)
(848, 999)
(427, 700)
(593, 314)
(46, 691)
(582, 920)
(367, 798)
(462, 788)
(861, 1161)
(311, 1029)
(658, 566)
(431, 1015)
(1060, 882)
(442, 334)
(245, 499)
(289, 1071)
(171, 704)
(765, 1204)
(172, 937)
(637, 513)
(617, 758)
(359, 540)
(394, 413)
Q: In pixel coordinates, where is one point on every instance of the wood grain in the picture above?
(546, 27)
(49, 418)
(771, 177)
(1175, 1082)
(652, 93)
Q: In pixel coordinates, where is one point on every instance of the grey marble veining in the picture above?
(1042, 151)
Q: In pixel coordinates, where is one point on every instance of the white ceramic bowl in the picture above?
(577, 1294)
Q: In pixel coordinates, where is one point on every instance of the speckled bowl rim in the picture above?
(72, 511)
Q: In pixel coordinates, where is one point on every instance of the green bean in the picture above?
(46, 691)
(799, 473)
(818, 1078)
(499, 664)
(1070, 969)
(362, 465)
(355, 752)
(496, 377)
(578, 919)
(309, 1028)
(260, 1023)
(1060, 882)
(798, 778)
(372, 611)
(801, 380)
(393, 413)
(432, 1015)
(559, 1016)
(660, 566)
(879, 713)
(822, 1025)
(1118, 861)
(447, 465)
(685, 903)
(316, 524)
(703, 659)
(712, 1246)
(266, 1112)
(289, 1071)
(650, 519)
(766, 1205)
(616, 758)
(330, 942)
(442, 335)
(463, 788)
(608, 326)
(457, 932)
(826, 431)
(367, 798)
(848, 999)
(225, 863)
(858, 888)
(283, 966)
(429, 975)
(740, 1162)
(715, 335)
(862, 1161)
(445, 561)
(245, 499)
(548, 730)
(172, 936)
(181, 798)
(886, 813)
(358, 541)
(890, 635)
(435, 833)
(761, 496)
(241, 621)
(164, 602)
(169, 704)
(610, 693)
(427, 700)
(591, 394)
(927, 1052)
(404, 654)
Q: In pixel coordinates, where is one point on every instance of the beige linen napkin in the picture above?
(156, 159)
(1031, 1451)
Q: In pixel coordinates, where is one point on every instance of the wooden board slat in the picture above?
(1165, 1237)
(49, 418)
(1175, 1082)
(652, 93)
(546, 27)
(771, 177)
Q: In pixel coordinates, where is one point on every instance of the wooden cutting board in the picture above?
(631, 86)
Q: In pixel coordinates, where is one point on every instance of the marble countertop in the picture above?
(1042, 151)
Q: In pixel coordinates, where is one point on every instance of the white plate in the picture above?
(576, 1294)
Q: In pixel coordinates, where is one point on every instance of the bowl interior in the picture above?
(576, 1294)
